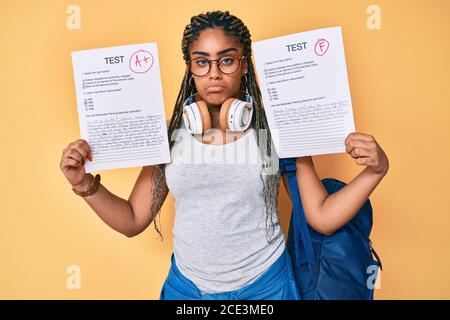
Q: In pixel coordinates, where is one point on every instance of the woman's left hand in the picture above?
(366, 151)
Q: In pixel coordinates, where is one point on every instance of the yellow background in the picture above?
(399, 81)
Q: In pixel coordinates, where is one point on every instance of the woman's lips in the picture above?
(212, 89)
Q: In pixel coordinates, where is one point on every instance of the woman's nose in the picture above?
(214, 72)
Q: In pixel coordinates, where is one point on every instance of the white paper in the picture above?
(305, 91)
(120, 106)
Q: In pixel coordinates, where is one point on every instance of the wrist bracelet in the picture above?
(91, 189)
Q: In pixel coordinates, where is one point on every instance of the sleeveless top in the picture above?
(219, 232)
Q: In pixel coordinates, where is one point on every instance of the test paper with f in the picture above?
(120, 106)
(305, 91)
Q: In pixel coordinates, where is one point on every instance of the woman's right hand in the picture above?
(72, 162)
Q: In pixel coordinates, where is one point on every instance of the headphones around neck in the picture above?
(235, 114)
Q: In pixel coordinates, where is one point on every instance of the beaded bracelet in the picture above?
(91, 189)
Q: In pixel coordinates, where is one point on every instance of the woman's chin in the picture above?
(216, 98)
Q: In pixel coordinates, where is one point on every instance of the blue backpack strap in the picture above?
(289, 167)
(366, 242)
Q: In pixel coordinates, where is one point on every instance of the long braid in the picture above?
(270, 173)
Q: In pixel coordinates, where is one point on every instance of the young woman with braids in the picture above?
(228, 243)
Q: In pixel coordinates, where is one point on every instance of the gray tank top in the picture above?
(219, 232)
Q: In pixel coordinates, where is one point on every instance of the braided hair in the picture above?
(270, 173)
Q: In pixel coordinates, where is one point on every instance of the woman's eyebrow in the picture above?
(218, 53)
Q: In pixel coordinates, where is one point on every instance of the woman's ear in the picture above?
(245, 65)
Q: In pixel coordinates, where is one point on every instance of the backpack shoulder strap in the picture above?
(288, 166)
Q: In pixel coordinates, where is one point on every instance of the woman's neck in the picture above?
(214, 111)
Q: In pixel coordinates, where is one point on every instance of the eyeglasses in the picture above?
(200, 67)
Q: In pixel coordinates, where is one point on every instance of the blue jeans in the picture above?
(276, 283)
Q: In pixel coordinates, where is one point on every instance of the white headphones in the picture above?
(235, 114)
